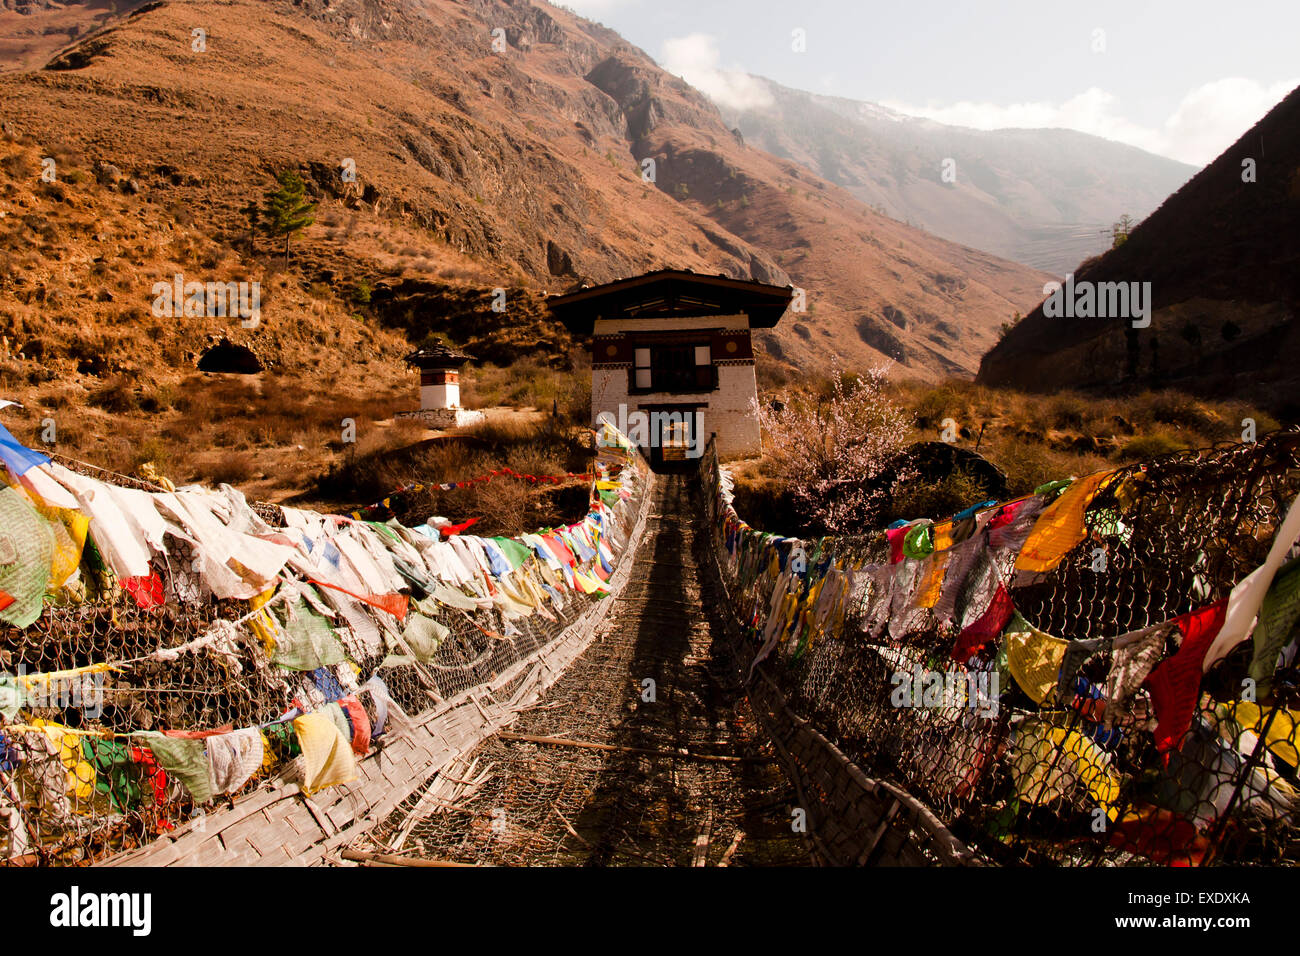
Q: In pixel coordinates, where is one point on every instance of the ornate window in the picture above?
(676, 367)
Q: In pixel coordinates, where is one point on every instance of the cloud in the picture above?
(695, 58)
(1207, 121)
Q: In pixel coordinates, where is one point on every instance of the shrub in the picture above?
(153, 450)
(56, 398)
(1068, 410)
(924, 499)
(935, 404)
(1028, 465)
(117, 396)
(158, 399)
(1173, 408)
(574, 401)
(1229, 429)
(1154, 445)
(18, 166)
(233, 468)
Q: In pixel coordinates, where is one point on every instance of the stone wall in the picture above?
(445, 417)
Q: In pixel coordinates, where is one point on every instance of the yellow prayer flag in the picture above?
(1060, 527)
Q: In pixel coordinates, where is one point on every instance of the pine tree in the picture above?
(286, 211)
(1119, 232)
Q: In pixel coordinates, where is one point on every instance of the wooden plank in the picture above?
(342, 814)
(865, 855)
(391, 859)
(321, 820)
(310, 837)
(242, 853)
(276, 832)
(647, 751)
(211, 853)
(731, 850)
(700, 855)
(279, 856)
(243, 828)
(163, 853)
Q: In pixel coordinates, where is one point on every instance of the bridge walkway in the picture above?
(633, 773)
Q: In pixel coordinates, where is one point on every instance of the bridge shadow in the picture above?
(650, 809)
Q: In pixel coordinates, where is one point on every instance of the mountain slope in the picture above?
(1046, 197)
(518, 169)
(31, 31)
(876, 287)
(1223, 259)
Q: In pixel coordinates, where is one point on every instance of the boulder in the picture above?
(107, 174)
(936, 460)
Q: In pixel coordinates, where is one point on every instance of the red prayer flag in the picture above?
(1175, 683)
(394, 603)
(146, 589)
(156, 774)
(450, 529)
(1006, 514)
(360, 724)
(896, 536)
(1160, 836)
(988, 626)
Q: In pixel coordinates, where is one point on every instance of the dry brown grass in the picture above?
(532, 383)
(75, 308)
(232, 468)
(1033, 439)
(371, 471)
(1038, 438)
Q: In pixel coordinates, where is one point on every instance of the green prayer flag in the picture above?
(516, 552)
(116, 774)
(423, 635)
(919, 542)
(306, 640)
(1278, 617)
(183, 758)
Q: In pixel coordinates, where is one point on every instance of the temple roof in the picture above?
(438, 356)
(670, 293)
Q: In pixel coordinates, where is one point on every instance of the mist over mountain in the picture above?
(1045, 197)
(1222, 259)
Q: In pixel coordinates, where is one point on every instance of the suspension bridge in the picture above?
(663, 685)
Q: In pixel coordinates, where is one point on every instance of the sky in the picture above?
(1182, 79)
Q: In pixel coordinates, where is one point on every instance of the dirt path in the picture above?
(560, 805)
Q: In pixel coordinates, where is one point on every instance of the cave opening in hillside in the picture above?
(230, 358)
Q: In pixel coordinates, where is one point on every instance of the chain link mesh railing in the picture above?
(109, 660)
(1035, 671)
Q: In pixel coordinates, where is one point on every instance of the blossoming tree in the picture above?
(838, 454)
